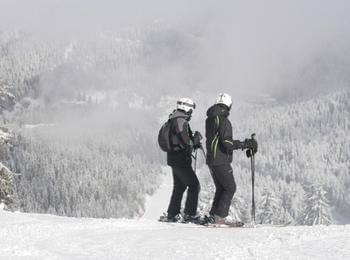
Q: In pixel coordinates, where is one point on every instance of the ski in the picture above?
(266, 225)
(273, 225)
(230, 225)
(204, 222)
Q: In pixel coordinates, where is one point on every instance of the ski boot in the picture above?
(196, 219)
(208, 220)
(225, 222)
(166, 218)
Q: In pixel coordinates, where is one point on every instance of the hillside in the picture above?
(85, 115)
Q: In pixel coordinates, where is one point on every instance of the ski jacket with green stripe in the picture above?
(218, 132)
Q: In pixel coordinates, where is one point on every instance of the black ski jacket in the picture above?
(218, 132)
(181, 139)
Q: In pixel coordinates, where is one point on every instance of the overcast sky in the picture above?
(266, 18)
(249, 44)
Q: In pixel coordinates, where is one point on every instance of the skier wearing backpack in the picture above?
(179, 157)
(220, 146)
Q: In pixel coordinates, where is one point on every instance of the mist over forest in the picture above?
(86, 85)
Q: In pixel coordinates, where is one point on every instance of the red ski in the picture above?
(228, 225)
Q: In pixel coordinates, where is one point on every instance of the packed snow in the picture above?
(40, 236)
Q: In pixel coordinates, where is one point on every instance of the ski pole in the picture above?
(205, 157)
(252, 166)
(202, 149)
(253, 180)
(195, 161)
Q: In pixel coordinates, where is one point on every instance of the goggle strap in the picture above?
(186, 104)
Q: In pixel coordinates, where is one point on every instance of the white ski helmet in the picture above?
(186, 104)
(225, 99)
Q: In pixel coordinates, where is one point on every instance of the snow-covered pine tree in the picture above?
(316, 211)
(269, 208)
(292, 196)
(7, 188)
(239, 209)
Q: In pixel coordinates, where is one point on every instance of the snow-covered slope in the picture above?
(158, 202)
(34, 236)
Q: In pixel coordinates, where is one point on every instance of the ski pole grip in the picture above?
(256, 149)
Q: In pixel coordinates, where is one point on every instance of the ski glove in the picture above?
(251, 145)
(197, 137)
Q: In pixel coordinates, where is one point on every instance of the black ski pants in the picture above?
(184, 178)
(225, 189)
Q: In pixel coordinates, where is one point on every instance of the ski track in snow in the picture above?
(40, 236)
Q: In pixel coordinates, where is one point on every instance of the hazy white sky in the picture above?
(66, 16)
(245, 44)
(264, 17)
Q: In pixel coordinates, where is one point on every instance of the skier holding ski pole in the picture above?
(251, 154)
(220, 146)
(177, 139)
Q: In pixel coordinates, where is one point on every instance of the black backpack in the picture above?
(164, 136)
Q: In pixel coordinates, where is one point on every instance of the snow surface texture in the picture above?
(35, 236)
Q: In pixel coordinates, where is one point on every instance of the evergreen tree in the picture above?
(269, 208)
(7, 187)
(239, 209)
(316, 211)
